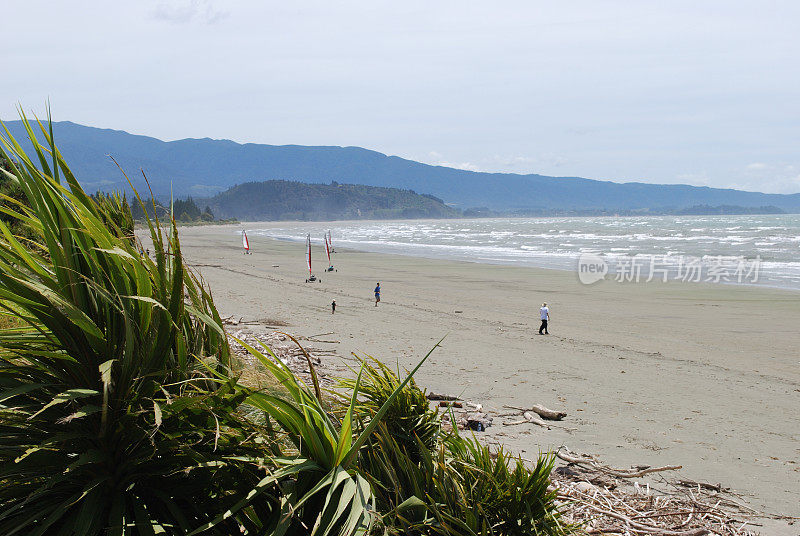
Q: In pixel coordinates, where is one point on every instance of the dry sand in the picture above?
(705, 376)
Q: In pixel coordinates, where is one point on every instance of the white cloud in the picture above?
(757, 166)
(468, 166)
(695, 179)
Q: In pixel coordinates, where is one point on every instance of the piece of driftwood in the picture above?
(437, 396)
(528, 417)
(704, 485)
(320, 335)
(533, 418)
(542, 411)
(549, 414)
(622, 473)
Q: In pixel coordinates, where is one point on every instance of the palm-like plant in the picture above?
(115, 206)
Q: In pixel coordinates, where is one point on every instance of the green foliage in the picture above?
(115, 213)
(461, 487)
(287, 200)
(114, 418)
(450, 487)
(187, 209)
(495, 493)
(149, 208)
(12, 201)
(410, 418)
(338, 495)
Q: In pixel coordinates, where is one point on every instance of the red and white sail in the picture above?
(328, 250)
(308, 252)
(330, 239)
(245, 242)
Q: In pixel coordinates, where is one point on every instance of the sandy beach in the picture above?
(699, 375)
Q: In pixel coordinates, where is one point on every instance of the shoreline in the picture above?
(564, 262)
(651, 374)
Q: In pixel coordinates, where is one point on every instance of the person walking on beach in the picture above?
(377, 293)
(544, 312)
(333, 307)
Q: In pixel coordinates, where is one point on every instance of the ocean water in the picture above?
(762, 250)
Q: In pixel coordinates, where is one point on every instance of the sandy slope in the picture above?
(699, 375)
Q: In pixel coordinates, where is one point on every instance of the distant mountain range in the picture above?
(204, 167)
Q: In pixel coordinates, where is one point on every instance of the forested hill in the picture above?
(204, 167)
(289, 200)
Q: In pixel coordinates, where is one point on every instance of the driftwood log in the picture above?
(437, 396)
(532, 418)
(542, 411)
(704, 485)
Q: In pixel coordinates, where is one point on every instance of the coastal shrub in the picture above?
(115, 213)
(116, 414)
(452, 486)
(410, 418)
(333, 492)
(495, 493)
(461, 487)
(13, 202)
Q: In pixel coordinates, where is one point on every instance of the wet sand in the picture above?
(700, 375)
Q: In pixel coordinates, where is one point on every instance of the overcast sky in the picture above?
(698, 92)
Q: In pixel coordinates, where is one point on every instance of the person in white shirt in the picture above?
(544, 312)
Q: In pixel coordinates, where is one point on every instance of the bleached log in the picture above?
(532, 418)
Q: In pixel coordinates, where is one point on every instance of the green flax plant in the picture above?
(331, 494)
(459, 488)
(114, 206)
(116, 412)
(492, 492)
(429, 482)
(409, 418)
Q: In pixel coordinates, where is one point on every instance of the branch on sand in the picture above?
(565, 454)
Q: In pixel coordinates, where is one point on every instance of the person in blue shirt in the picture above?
(377, 294)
